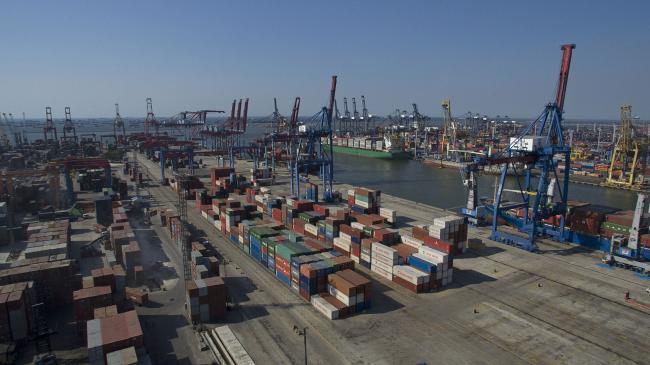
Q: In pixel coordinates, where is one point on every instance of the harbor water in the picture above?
(443, 187)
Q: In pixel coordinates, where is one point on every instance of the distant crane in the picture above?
(626, 156)
(315, 149)
(49, 130)
(366, 117)
(12, 129)
(418, 119)
(69, 131)
(355, 116)
(346, 116)
(24, 136)
(449, 128)
(119, 131)
(150, 122)
(4, 140)
(278, 121)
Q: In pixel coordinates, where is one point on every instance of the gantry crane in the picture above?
(11, 124)
(344, 123)
(69, 131)
(625, 165)
(535, 149)
(355, 117)
(119, 130)
(367, 118)
(315, 149)
(150, 122)
(49, 130)
(278, 121)
(449, 128)
(4, 139)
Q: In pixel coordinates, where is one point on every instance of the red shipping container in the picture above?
(223, 224)
(321, 210)
(420, 233)
(355, 249)
(440, 245)
(277, 214)
(303, 205)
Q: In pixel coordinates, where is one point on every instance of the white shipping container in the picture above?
(290, 202)
(357, 225)
(384, 250)
(324, 307)
(433, 253)
(389, 214)
(311, 229)
(411, 241)
(381, 265)
(385, 260)
(95, 342)
(365, 257)
(345, 237)
(410, 274)
(362, 204)
(341, 243)
(381, 272)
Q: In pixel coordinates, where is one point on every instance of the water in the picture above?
(443, 188)
(403, 178)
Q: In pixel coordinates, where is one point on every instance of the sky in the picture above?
(489, 57)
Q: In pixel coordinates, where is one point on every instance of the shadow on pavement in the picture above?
(159, 331)
(469, 277)
(382, 303)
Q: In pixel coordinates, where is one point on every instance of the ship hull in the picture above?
(388, 155)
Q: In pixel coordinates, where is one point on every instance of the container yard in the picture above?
(208, 231)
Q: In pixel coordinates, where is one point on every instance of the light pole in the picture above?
(302, 332)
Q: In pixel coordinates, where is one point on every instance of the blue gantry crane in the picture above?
(314, 149)
(531, 160)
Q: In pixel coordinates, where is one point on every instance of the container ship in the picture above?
(375, 147)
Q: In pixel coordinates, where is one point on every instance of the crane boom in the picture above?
(567, 51)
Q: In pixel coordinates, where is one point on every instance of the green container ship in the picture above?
(391, 155)
(374, 147)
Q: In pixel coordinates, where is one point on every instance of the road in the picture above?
(169, 338)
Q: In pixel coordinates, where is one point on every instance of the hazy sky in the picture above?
(492, 57)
